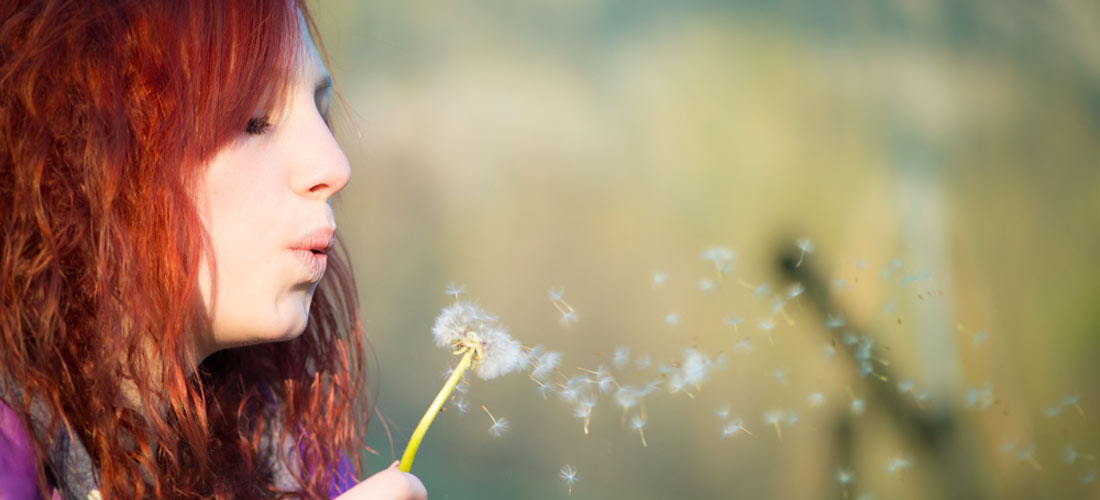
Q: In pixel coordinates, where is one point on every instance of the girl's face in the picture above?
(265, 203)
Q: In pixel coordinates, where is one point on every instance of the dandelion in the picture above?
(621, 357)
(637, 422)
(774, 418)
(805, 245)
(499, 424)
(455, 289)
(816, 400)
(569, 475)
(672, 320)
(659, 279)
(568, 314)
(898, 464)
(482, 342)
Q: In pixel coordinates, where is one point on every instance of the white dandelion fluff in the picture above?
(467, 326)
(569, 475)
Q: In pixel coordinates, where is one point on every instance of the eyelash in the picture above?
(257, 126)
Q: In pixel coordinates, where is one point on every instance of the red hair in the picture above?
(107, 115)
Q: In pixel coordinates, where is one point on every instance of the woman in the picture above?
(177, 318)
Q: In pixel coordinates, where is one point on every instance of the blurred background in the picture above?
(940, 155)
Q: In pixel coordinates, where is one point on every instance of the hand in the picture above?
(388, 484)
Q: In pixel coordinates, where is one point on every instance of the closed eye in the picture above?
(257, 125)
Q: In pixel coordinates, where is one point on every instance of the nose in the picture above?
(323, 169)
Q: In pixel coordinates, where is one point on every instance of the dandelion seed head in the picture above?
(458, 321)
(500, 354)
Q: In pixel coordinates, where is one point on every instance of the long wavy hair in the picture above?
(108, 112)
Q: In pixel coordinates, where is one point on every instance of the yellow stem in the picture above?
(433, 410)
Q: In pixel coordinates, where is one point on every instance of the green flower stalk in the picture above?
(483, 343)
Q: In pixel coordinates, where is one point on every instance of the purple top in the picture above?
(19, 479)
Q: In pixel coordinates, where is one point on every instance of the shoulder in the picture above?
(18, 476)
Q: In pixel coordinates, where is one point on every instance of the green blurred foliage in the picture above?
(516, 146)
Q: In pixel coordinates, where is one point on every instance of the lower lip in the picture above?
(314, 264)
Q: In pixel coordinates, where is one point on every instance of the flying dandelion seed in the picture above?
(795, 290)
(569, 475)
(1070, 455)
(621, 357)
(898, 464)
(767, 325)
(828, 351)
(569, 315)
(774, 418)
(500, 425)
(722, 258)
(816, 400)
(642, 362)
(729, 321)
(890, 307)
(545, 364)
(744, 344)
(707, 285)
(672, 320)
(780, 376)
(858, 406)
(455, 289)
(1089, 476)
(761, 290)
(461, 405)
(979, 337)
(834, 321)
(805, 245)
(659, 279)
(637, 422)
(584, 410)
(844, 475)
(723, 412)
(1028, 455)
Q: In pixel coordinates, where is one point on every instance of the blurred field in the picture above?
(518, 146)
